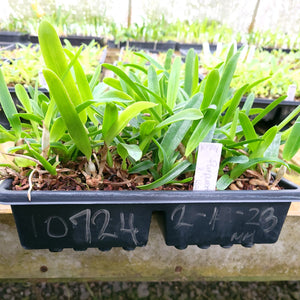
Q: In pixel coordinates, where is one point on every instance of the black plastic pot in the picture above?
(278, 114)
(14, 37)
(75, 40)
(114, 45)
(104, 219)
(150, 46)
(3, 120)
(270, 49)
(184, 47)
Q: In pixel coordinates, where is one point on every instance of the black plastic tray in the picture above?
(75, 40)
(104, 219)
(277, 115)
(14, 37)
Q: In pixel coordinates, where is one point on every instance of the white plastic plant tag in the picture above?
(207, 166)
(291, 92)
(206, 49)
(251, 53)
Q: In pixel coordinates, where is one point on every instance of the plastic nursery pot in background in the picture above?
(14, 37)
(75, 40)
(104, 219)
(277, 115)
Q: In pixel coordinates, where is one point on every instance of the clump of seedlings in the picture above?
(138, 130)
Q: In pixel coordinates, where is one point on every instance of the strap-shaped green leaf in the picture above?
(248, 130)
(189, 72)
(125, 78)
(267, 140)
(131, 150)
(125, 116)
(211, 116)
(56, 60)
(211, 85)
(187, 114)
(173, 84)
(57, 130)
(270, 107)
(292, 144)
(171, 175)
(234, 102)
(141, 167)
(241, 168)
(23, 97)
(177, 131)
(83, 85)
(109, 118)
(68, 112)
(223, 182)
(9, 107)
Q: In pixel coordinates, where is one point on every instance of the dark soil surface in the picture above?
(144, 290)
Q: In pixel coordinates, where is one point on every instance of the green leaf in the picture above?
(211, 85)
(30, 117)
(95, 79)
(167, 164)
(173, 84)
(9, 107)
(158, 98)
(141, 166)
(177, 131)
(257, 82)
(83, 84)
(66, 108)
(223, 182)
(240, 169)
(292, 144)
(150, 59)
(248, 103)
(211, 116)
(55, 59)
(135, 66)
(189, 72)
(267, 140)
(234, 124)
(109, 118)
(171, 175)
(270, 107)
(125, 78)
(249, 131)
(168, 60)
(58, 129)
(234, 160)
(153, 85)
(195, 86)
(114, 83)
(131, 150)
(51, 169)
(295, 168)
(273, 149)
(23, 97)
(187, 114)
(125, 116)
(230, 112)
(147, 127)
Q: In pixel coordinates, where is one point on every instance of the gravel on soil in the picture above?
(282, 290)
